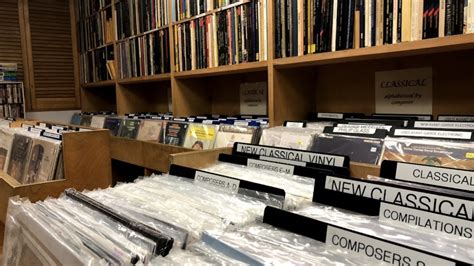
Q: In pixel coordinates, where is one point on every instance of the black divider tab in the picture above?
(445, 177)
(285, 155)
(365, 196)
(311, 172)
(228, 184)
(355, 242)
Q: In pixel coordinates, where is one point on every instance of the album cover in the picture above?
(453, 154)
(42, 160)
(175, 133)
(97, 121)
(76, 119)
(6, 140)
(150, 130)
(19, 155)
(229, 134)
(201, 136)
(291, 138)
(59, 171)
(86, 120)
(113, 125)
(129, 128)
(359, 149)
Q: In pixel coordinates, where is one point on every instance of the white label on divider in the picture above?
(293, 155)
(429, 221)
(241, 123)
(364, 126)
(355, 130)
(451, 206)
(456, 118)
(224, 183)
(277, 160)
(450, 178)
(270, 166)
(294, 124)
(433, 134)
(331, 115)
(379, 251)
(444, 125)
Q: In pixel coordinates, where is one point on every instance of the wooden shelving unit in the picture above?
(335, 81)
(341, 81)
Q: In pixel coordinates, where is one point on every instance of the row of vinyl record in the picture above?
(96, 30)
(232, 36)
(237, 212)
(192, 135)
(30, 157)
(139, 16)
(184, 9)
(86, 8)
(311, 26)
(98, 65)
(144, 55)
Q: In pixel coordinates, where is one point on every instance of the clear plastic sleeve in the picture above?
(229, 134)
(453, 154)
(292, 138)
(299, 190)
(359, 149)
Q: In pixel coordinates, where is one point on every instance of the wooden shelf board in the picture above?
(223, 70)
(98, 84)
(138, 80)
(429, 46)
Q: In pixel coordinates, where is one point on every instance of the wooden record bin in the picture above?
(87, 165)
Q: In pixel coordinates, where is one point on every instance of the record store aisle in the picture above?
(236, 132)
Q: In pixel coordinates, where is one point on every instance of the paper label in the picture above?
(444, 125)
(223, 183)
(364, 126)
(331, 115)
(253, 98)
(278, 160)
(407, 91)
(294, 124)
(450, 178)
(456, 118)
(355, 130)
(451, 206)
(270, 166)
(433, 134)
(426, 220)
(241, 123)
(294, 155)
(379, 251)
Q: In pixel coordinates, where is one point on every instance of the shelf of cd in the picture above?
(87, 165)
(422, 47)
(223, 70)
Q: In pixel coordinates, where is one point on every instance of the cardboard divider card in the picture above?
(429, 175)
(289, 155)
(374, 248)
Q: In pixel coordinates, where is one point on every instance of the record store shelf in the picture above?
(87, 165)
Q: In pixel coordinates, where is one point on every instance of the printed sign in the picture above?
(408, 91)
(227, 184)
(270, 166)
(253, 98)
